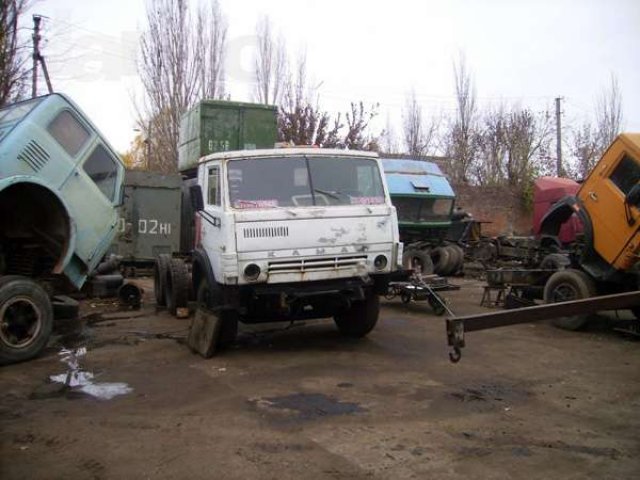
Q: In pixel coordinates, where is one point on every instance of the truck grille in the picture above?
(266, 232)
(34, 155)
(316, 264)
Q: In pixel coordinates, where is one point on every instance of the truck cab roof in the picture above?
(416, 178)
(288, 152)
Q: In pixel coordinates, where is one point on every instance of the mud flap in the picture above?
(204, 333)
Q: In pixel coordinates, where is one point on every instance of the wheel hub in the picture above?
(564, 293)
(20, 321)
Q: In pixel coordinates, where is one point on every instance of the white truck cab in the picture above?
(294, 233)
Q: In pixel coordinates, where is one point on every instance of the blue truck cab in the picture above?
(60, 186)
(424, 200)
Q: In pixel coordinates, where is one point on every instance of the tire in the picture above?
(457, 258)
(26, 319)
(442, 262)
(569, 284)
(361, 318)
(177, 285)
(228, 330)
(160, 269)
(417, 259)
(555, 261)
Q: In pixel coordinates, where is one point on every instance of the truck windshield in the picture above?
(304, 181)
(424, 210)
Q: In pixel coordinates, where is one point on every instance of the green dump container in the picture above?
(149, 217)
(218, 126)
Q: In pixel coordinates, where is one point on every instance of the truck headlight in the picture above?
(380, 262)
(251, 272)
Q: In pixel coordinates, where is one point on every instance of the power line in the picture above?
(95, 32)
(100, 50)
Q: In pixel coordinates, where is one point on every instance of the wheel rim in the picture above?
(565, 292)
(417, 265)
(21, 322)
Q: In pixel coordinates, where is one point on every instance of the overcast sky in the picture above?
(520, 52)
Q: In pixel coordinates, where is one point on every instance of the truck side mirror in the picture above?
(195, 193)
(633, 197)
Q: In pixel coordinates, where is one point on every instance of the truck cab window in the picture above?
(407, 208)
(103, 170)
(213, 197)
(435, 210)
(626, 174)
(68, 132)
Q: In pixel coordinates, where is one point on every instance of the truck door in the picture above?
(603, 195)
(93, 192)
(92, 188)
(213, 239)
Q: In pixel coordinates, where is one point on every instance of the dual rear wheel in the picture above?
(444, 260)
(171, 283)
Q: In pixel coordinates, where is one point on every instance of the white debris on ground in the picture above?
(82, 381)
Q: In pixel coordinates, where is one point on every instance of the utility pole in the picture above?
(38, 59)
(36, 54)
(559, 169)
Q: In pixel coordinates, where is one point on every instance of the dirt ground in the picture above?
(529, 402)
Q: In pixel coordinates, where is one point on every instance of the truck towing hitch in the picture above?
(458, 326)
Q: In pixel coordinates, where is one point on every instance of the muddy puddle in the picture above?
(306, 406)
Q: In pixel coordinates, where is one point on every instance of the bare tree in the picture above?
(176, 66)
(609, 113)
(211, 48)
(388, 140)
(463, 139)
(13, 58)
(412, 125)
(528, 142)
(585, 149)
(300, 119)
(270, 64)
(419, 134)
(588, 141)
(358, 136)
(513, 148)
(489, 170)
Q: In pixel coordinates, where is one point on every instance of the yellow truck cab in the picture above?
(608, 203)
(607, 197)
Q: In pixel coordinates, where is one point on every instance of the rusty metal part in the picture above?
(456, 327)
(423, 287)
(502, 277)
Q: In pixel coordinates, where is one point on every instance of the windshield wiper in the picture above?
(334, 195)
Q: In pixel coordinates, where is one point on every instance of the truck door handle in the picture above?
(593, 196)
